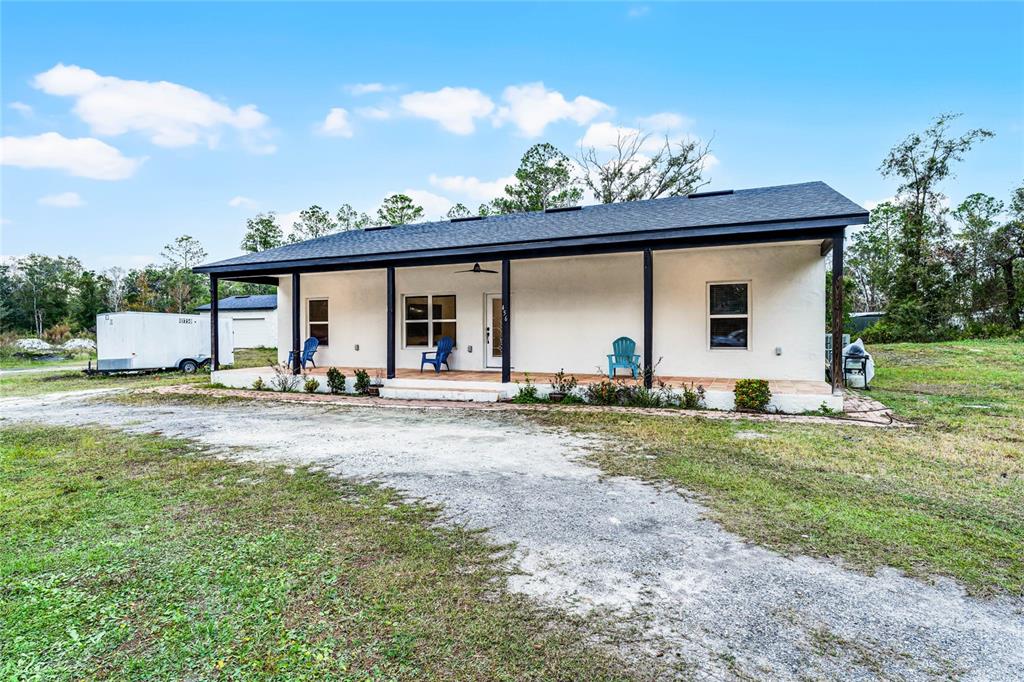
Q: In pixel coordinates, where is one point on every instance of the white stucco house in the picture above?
(254, 319)
(713, 287)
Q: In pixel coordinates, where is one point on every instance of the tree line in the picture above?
(936, 271)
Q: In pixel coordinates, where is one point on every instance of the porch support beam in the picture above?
(837, 313)
(506, 320)
(826, 246)
(296, 319)
(648, 318)
(214, 326)
(391, 323)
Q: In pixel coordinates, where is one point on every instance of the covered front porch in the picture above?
(789, 396)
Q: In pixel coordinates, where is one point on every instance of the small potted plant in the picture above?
(378, 380)
(561, 386)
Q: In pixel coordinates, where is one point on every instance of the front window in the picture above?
(316, 319)
(428, 318)
(729, 314)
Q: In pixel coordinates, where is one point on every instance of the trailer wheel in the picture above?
(188, 366)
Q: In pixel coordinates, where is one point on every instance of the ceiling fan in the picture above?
(477, 269)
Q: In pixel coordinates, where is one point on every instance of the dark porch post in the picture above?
(391, 323)
(296, 318)
(214, 331)
(648, 318)
(837, 311)
(506, 320)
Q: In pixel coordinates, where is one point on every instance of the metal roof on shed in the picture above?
(257, 302)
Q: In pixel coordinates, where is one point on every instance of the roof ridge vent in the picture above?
(701, 195)
(466, 219)
(563, 209)
(377, 227)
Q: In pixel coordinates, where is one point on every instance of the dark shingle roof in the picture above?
(785, 203)
(261, 302)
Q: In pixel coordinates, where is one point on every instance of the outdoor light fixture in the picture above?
(477, 269)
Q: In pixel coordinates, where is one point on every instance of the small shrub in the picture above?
(362, 382)
(527, 393)
(641, 396)
(335, 380)
(58, 333)
(259, 384)
(311, 385)
(604, 392)
(563, 384)
(284, 381)
(693, 397)
(573, 399)
(752, 394)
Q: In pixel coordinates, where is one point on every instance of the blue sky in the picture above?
(103, 162)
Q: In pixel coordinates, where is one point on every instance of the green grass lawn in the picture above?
(36, 383)
(130, 557)
(254, 357)
(945, 498)
(11, 361)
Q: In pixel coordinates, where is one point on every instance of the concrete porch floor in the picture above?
(709, 383)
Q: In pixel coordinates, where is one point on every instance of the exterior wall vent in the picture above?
(701, 195)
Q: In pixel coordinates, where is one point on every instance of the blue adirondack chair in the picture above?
(623, 355)
(308, 351)
(440, 356)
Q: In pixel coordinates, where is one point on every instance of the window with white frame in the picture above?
(428, 318)
(729, 315)
(316, 319)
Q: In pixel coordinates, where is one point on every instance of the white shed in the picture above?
(254, 319)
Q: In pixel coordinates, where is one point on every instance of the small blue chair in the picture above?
(308, 351)
(444, 349)
(623, 355)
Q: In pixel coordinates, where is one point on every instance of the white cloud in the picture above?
(471, 187)
(605, 135)
(22, 108)
(336, 124)
(85, 157)
(171, 115)
(665, 120)
(637, 11)
(6, 221)
(287, 219)
(872, 204)
(531, 107)
(368, 88)
(434, 206)
(376, 113)
(62, 200)
(241, 202)
(456, 109)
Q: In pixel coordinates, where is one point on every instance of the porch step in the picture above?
(474, 395)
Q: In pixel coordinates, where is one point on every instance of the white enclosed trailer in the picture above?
(132, 342)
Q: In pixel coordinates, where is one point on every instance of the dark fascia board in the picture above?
(690, 237)
(272, 281)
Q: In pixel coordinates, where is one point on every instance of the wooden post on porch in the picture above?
(391, 323)
(214, 326)
(296, 321)
(648, 318)
(837, 312)
(506, 321)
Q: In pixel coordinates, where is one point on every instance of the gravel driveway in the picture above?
(686, 590)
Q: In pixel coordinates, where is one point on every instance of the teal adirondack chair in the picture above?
(623, 355)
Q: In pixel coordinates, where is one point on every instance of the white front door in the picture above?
(493, 331)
